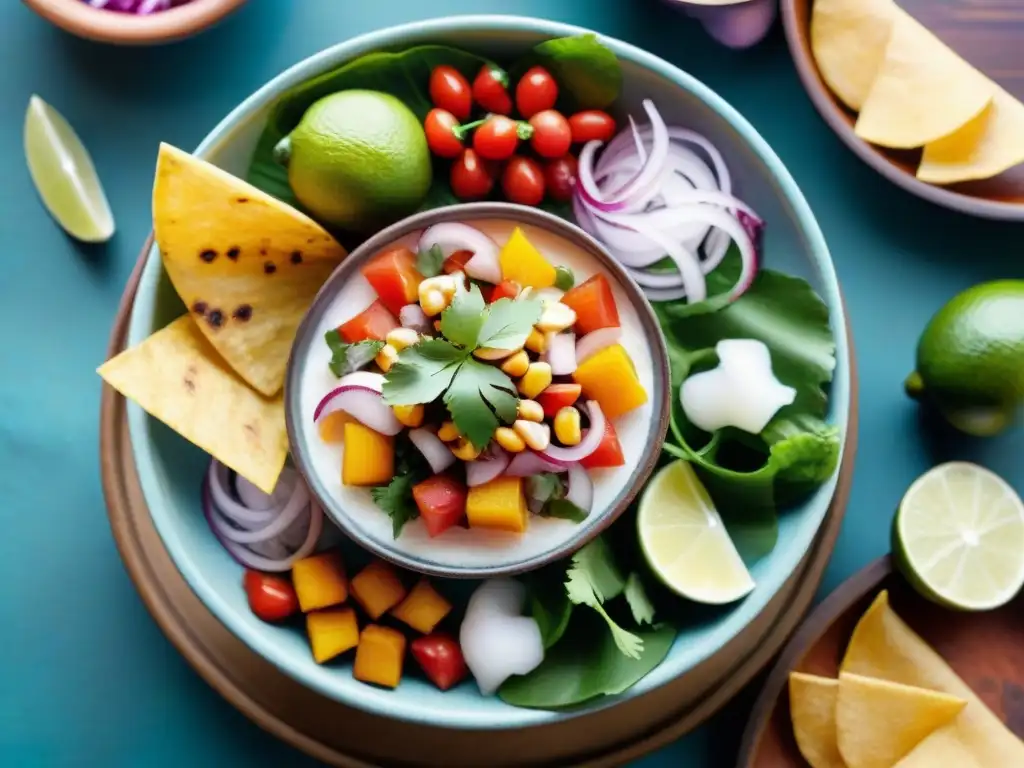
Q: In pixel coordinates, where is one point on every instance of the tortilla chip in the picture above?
(883, 646)
(878, 722)
(848, 40)
(245, 264)
(177, 377)
(923, 91)
(812, 708)
(985, 147)
(940, 750)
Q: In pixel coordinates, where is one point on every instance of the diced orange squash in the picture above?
(423, 608)
(610, 378)
(379, 656)
(332, 632)
(332, 427)
(499, 504)
(377, 588)
(521, 262)
(369, 456)
(320, 581)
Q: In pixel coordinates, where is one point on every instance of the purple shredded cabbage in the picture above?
(140, 7)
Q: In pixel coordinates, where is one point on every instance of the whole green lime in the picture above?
(358, 160)
(970, 358)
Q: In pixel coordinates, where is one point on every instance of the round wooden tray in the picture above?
(343, 736)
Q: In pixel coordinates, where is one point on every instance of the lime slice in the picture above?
(958, 537)
(684, 539)
(64, 175)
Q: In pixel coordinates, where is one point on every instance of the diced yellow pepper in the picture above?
(369, 456)
(379, 656)
(320, 581)
(332, 632)
(499, 504)
(523, 263)
(377, 588)
(332, 427)
(423, 608)
(610, 378)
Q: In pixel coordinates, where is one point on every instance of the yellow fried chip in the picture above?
(812, 708)
(940, 750)
(246, 265)
(177, 377)
(923, 90)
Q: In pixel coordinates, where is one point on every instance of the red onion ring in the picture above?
(595, 341)
(529, 463)
(437, 454)
(590, 443)
(488, 466)
(298, 503)
(453, 236)
(365, 405)
(581, 488)
(217, 480)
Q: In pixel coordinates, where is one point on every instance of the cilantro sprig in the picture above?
(346, 358)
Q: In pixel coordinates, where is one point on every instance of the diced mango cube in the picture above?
(377, 588)
(524, 264)
(369, 456)
(499, 504)
(423, 608)
(379, 656)
(332, 632)
(609, 377)
(332, 427)
(320, 581)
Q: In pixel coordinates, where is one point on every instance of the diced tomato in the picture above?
(558, 396)
(608, 453)
(594, 305)
(373, 323)
(441, 659)
(271, 597)
(394, 277)
(441, 500)
(506, 289)
(456, 262)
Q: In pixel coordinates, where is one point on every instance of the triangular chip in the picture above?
(940, 750)
(879, 722)
(246, 265)
(177, 376)
(848, 40)
(883, 646)
(988, 145)
(812, 707)
(923, 90)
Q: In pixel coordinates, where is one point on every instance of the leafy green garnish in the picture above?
(549, 604)
(594, 579)
(564, 278)
(481, 398)
(636, 597)
(588, 73)
(548, 490)
(461, 322)
(396, 498)
(422, 373)
(346, 358)
(508, 323)
(430, 263)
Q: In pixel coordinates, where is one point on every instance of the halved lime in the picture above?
(685, 541)
(958, 537)
(64, 175)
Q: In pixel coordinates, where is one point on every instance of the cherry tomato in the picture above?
(440, 128)
(535, 92)
(506, 289)
(441, 659)
(490, 90)
(497, 138)
(471, 177)
(523, 181)
(560, 177)
(271, 598)
(552, 136)
(592, 125)
(449, 90)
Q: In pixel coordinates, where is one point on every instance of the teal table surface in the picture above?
(86, 677)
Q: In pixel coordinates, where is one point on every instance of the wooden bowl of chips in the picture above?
(937, 86)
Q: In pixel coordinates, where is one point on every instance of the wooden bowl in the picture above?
(82, 20)
(984, 649)
(987, 33)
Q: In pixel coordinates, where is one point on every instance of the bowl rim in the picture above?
(385, 702)
(583, 532)
(828, 106)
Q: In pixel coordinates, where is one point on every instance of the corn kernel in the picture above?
(567, 426)
(517, 365)
(465, 450)
(449, 432)
(387, 357)
(537, 436)
(530, 410)
(432, 302)
(556, 317)
(536, 379)
(409, 415)
(537, 342)
(400, 338)
(509, 440)
(492, 354)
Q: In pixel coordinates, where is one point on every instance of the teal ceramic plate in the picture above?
(170, 469)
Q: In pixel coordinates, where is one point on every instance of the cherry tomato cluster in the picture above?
(525, 143)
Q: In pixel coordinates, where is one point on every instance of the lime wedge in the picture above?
(64, 175)
(684, 539)
(958, 537)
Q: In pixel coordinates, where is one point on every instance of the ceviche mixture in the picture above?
(486, 384)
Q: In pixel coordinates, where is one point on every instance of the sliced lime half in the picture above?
(958, 537)
(64, 175)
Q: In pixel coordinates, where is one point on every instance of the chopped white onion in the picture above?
(581, 488)
(437, 454)
(453, 236)
(413, 316)
(487, 467)
(561, 354)
(528, 463)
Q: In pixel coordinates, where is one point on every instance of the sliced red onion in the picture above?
(361, 403)
(413, 316)
(595, 341)
(488, 466)
(453, 236)
(561, 354)
(590, 442)
(297, 504)
(529, 463)
(581, 488)
(437, 454)
(217, 480)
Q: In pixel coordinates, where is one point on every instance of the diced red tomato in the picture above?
(456, 262)
(441, 659)
(271, 598)
(558, 396)
(594, 305)
(506, 289)
(373, 323)
(608, 453)
(394, 277)
(441, 500)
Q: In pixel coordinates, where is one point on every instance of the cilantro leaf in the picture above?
(396, 497)
(346, 358)
(461, 322)
(478, 392)
(508, 323)
(422, 372)
(592, 580)
(544, 487)
(430, 262)
(636, 597)
(564, 510)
